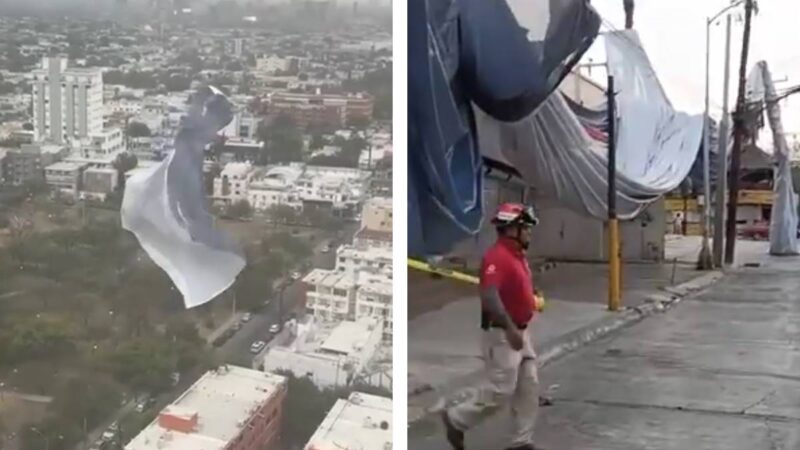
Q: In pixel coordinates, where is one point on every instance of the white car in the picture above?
(274, 328)
(257, 346)
(140, 407)
(295, 276)
(246, 317)
(326, 249)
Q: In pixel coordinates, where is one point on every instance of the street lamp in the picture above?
(705, 260)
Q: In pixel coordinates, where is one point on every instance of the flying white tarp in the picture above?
(783, 219)
(552, 150)
(165, 207)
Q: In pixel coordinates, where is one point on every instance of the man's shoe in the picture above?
(454, 436)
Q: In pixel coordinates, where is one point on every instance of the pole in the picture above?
(613, 224)
(704, 258)
(738, 137)
(722, 154)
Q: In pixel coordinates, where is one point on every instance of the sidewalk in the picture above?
(717, 372)
(443, 332)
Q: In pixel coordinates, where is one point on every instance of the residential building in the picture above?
(98, 182)
(374, 299)
(272, 64)
(377, 214)
(65, 177)
(362, 421)
(366, 237)
(67, 102)
(109, 142)
(352, 259)
(330, 354)
(322, 109)
(230, 408)
(331, 295)
(26, 164)
(233, 182)
(275, 186)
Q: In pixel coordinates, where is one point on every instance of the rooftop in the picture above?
(64, 165)
(348, 337)
(362, 421)
(375, 283)
(329, 278)
(223, 400)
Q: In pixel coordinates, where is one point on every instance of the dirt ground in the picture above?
(15, 413)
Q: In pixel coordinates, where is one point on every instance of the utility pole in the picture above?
(613, 223)
(628, 5)
(738, 136)
(722, 154)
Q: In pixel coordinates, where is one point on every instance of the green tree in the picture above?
(282, 213)
(40, 338)
(144, 364)
(240, 210)
(282, 140)
(138, 129)
(317, 142)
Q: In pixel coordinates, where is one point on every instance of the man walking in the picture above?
(507, 308)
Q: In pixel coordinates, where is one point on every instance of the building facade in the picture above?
(230, 408)
(377, 214)
(321, 109)
(67, 102)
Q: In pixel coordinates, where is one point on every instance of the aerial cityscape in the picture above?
(99, 348)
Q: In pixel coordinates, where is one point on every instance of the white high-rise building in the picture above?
(67, 102)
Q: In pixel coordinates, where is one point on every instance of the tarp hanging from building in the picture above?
(555, 153)
(783, 219)
(166, 209)
(506, 57)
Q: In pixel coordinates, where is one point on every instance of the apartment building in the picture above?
(331, 295)
(233, 182)
(230, 408)
(324, 109)
(67, 102)
(362, 421)
(377, 214)
(374, 299)
(65, 177)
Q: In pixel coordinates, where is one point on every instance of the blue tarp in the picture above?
(465, 52)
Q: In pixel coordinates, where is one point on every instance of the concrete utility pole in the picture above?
(722, 154)
(739, 131)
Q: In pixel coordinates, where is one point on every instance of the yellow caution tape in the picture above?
(465, 277)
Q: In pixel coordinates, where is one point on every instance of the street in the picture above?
(237, 348)
(721, 370)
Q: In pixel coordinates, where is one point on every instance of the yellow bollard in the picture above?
(613, 265)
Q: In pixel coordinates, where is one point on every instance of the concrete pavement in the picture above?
(721, 370)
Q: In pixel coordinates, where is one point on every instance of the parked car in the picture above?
(295, 276)
(326, 249)
(237, 326)
(257, 346)
(141, 406)
(175, 377)
(246, 317)
(274, 328)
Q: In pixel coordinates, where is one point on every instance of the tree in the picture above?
(317, 142)
(282, 213)
(240, 210)
(144, 364)
(126, 161)
(138, 129)
(40, 338)
(307, 405)
(282, 140)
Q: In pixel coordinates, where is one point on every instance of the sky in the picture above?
(673, 34)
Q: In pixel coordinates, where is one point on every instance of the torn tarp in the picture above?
(506, 57)
(165, 207)
(562, 159)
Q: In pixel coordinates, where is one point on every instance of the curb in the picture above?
(563, 345)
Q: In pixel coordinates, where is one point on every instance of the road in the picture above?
(237, 348)
(721, 370)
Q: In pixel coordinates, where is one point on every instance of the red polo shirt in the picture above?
(504, 266)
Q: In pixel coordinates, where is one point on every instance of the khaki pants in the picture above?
(512, 380)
